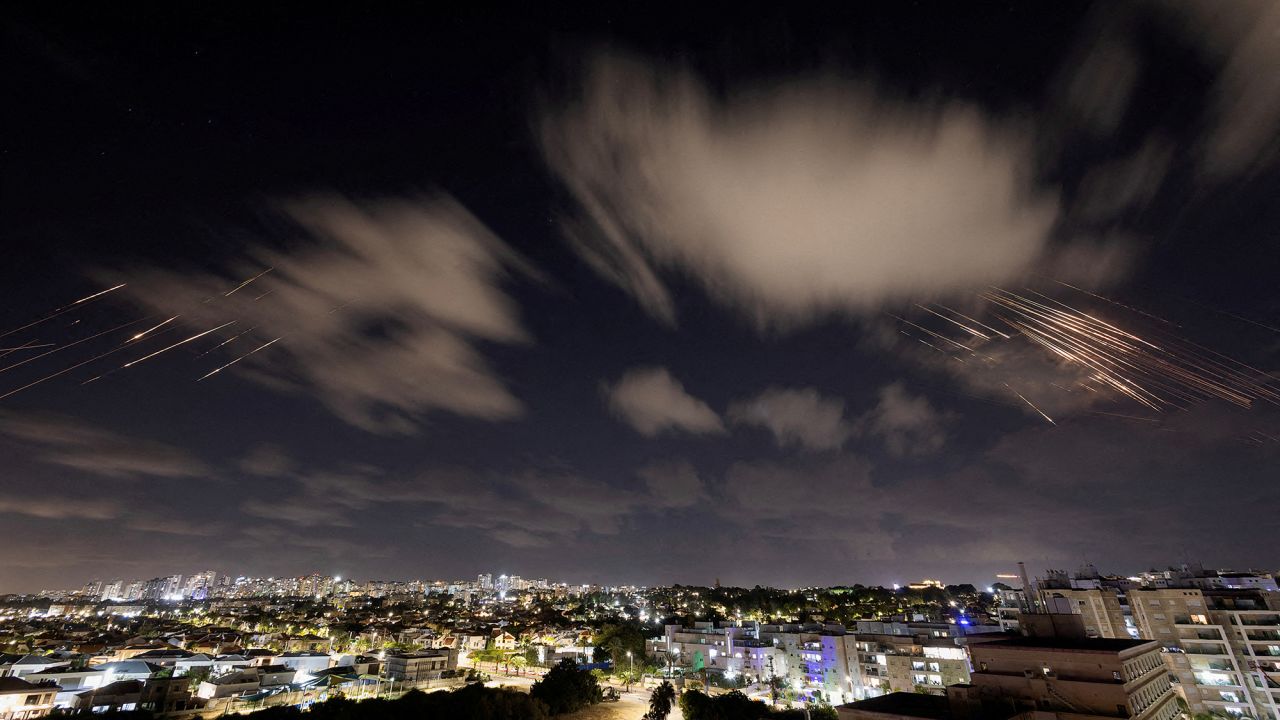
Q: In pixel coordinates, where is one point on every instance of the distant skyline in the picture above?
(788, 296)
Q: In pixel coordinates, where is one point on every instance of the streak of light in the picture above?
(72, 344)
(1117, 303)
(28, 346)
(1031, 404)
(146, 332)
(228, 340)
(63, 310)
(23, 346)
(924, 329)
(1153, 421)
(975, 321)
(197, 336)
(82, 363)
(233, 362)
(957, 323)
(246, 282)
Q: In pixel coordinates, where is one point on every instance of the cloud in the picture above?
(793, 200)
(652, 401)
(796, 416)
(908, 424)
(673, 484)
(379, 314)
(267, 460)
(38, 505)
(71, 443)
(1244, 39)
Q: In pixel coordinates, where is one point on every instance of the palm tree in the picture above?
(519, 661)
(661, 701)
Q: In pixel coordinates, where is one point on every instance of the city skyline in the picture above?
(783, 296)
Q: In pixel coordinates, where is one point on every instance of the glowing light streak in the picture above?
(72, 344)
(233, 362)
(181, 342)
(1031, 404)
(146, 332)
(63, 310)
(246, 282)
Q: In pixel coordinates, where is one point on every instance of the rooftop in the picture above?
(1108, 645)
(933, 707)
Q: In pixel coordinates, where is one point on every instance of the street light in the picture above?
(631, 670)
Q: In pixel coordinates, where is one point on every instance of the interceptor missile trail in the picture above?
(183, 342)
(72, 344)
(233, 362)
(63, 309)
(246, 282)
(1033, 406)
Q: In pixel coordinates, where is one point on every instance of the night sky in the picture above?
(645, 294)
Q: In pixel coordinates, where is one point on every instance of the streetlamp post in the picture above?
(631, 669)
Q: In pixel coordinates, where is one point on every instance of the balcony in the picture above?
(1217, 650)
(1217, 680)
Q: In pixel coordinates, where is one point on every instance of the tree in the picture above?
(566, 688)
(196, 676)
(661, 701)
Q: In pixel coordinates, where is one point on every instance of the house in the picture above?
(127, 670)
(22, 700)
(259, 656)
(168, 694)
(306, 643)
(247, 680)
(226, 663)
(420, 666)
(164, 657)
(194, 663)
(504, 640)
(119, 695)
(71, 680)
(230, 685)
(275, 675)
(305, 662)
(28, 664)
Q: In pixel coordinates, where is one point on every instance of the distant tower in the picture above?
(717, 582)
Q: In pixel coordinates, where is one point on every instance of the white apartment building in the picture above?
(1222, 646)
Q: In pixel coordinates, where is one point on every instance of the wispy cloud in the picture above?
(379, 314)
(72, 443)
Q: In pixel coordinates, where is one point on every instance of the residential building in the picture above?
(1042, 678)
(419, 666)
(22, 700)
(1222, 646)
(305, 662)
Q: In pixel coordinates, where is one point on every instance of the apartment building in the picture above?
(1222, 646)
(1042, 678)
(1105, 611)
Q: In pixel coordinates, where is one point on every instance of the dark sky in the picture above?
(643, 294)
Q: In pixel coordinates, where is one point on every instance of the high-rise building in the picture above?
(1223, 646)
(200, 585)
